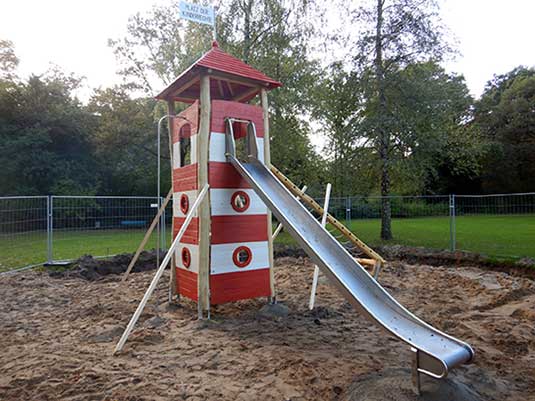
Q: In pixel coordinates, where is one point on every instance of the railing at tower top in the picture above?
(251, 144)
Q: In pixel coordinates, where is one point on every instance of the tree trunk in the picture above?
(384, 135)
(386, 211)
(248, 9)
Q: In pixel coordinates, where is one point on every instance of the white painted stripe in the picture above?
(221, 257)
(217, 148)
(194, 252)
(193, 151)
(176, 155)
(192, 195)
(220, 201)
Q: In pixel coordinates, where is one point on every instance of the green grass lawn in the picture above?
(31, 248)
(503, 236)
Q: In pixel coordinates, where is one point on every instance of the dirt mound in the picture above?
(417, 255)
(291, 251)
(395, 385)
(433, 257)
(89, 268)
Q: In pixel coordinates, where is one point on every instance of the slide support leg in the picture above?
(415, 372)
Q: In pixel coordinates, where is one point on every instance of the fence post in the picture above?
(49, 228)
(348, 210)
(452, 223)
(162, 222)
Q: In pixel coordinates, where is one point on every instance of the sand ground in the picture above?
(57, 336)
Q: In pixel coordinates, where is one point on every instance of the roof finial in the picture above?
(215, 44)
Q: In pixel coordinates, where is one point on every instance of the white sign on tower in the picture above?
(197, 13)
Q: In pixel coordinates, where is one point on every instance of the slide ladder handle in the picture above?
(308, 200)
(147, 235)
(251, 139)
(160, 270)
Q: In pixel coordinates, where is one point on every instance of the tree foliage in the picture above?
(45, 138)
(8, 61)
(124, 142)
(505, 114)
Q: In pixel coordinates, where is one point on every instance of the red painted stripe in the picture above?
(185, 178)
(190, 116)
(222, 109)
(191, 236)
(230, 287)
(224, 175)
(186, 283)
(241, 228)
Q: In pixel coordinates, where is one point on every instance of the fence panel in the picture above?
(416, 220)
(496, 225)
(23, 231)
(100, 226)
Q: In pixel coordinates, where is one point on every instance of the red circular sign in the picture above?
(186, 258)
(184, 203)
(242, 256)
(240, 201)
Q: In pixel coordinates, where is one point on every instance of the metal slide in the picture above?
(435, 353)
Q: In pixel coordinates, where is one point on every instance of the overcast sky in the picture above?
(494, 36)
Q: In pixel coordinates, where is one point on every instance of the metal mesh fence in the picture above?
(495, 225)
(23, 231)
(416, 220)
(34, 230)
(100, 226)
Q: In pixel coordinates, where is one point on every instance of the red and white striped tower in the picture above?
(226, 253)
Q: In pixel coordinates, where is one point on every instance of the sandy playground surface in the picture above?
(57, 336)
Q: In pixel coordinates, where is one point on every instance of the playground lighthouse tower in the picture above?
(226, 253)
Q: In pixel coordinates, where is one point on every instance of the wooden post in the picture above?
(173, 288)
(147, 235)
(203, 278)
(267, 162)
(160, 271)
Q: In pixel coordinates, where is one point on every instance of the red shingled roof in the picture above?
(217, 60)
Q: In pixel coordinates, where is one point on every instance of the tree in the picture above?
(434, 112)
(44, 138)
(8, 60)
(433, 132)
(505, 115)
(336, 103)
(124, 142)
(396, 33)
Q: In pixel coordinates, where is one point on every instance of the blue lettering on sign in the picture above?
(197, 13)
